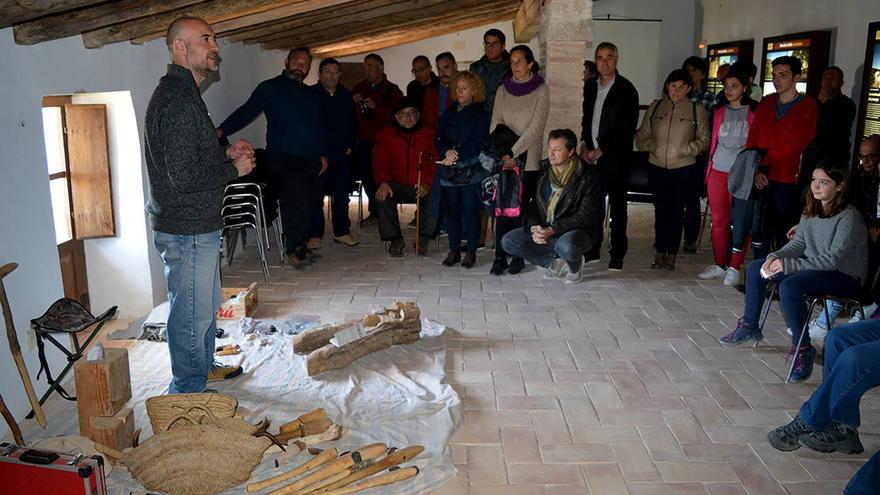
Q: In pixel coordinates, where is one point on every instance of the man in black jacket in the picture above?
(564, 220)
(296, 144)
(611, 114)
(187, 170)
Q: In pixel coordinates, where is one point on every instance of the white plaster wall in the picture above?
(726, 20)
(65, 67)
(467, 46)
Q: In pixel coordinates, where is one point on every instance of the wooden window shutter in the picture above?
(88, 164)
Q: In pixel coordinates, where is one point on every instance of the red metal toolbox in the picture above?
(26, 471)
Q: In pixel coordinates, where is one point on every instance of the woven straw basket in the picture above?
(163, 408)
(197, 459)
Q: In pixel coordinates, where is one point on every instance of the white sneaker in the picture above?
(868, 310)
(817, 332)
(574, 277)
(712, 271)
(731, 277)
(555, 270)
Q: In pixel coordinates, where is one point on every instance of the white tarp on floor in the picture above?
(395, 396)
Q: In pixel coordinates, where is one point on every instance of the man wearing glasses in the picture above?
(424, 89)
(864, 196)
(494, 66)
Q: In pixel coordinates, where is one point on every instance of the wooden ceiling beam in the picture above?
(78, 21)
(327, 36)
(527, 21)
(313, 18)
(16, 11)
(212, 11)
(378, 42)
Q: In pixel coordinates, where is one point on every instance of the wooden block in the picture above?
(102, 387)
(114, 431)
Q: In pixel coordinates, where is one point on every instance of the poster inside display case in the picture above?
(812, 48)
(869, 104)
(726, 53)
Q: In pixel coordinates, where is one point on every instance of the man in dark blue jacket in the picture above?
(296, 144)
(340, 117)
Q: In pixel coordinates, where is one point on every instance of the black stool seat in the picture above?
(70, 317)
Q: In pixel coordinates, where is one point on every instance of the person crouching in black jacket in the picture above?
(564, 220)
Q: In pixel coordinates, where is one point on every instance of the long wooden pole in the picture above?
(15, 349)
(381, 480)
(10, 420)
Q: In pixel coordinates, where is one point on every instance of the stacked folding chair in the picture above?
(244, 208)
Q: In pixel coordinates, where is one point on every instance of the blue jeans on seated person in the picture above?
(792, 289)
(570, 247)
(192, 272)
(851, 369)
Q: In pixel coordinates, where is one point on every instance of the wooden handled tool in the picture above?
(340, 464)
(306, 429)
(321, 459)
(390, 460)
(10, 420)
(382, 480)
(321, 484)
(15, 349)
(308, 417)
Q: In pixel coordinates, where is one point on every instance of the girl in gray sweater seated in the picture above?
(828, 255)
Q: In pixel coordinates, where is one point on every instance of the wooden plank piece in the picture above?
(115, 431)
(15, 11)
(527, 21)
(102, 386)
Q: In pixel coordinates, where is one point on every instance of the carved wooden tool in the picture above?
(398, 324)
(390, 460)
(385, 479)
(321, 484)
(10, 420)
(15, 349)
(321, 459)
(308, 417)
(341, 464)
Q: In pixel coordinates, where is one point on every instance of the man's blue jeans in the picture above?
(192, 271)
(851, 369)
(792, 289)
(570, 247)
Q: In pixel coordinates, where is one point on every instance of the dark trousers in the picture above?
(792, 289)
(462, 207)
(570, 247)
(670, 188)
(504, 225)
(614, 184)
(783, 212)
(299, 189)
(363, 157)
(336, 179)
(692, 213)
(389, 220)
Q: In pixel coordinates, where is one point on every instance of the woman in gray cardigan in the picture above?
(828, 255)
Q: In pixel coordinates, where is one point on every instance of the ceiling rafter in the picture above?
(15, 11)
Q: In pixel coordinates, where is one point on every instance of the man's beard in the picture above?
(297, 75)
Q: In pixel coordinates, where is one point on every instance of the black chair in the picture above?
(70, 317)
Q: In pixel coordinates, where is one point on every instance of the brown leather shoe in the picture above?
(670, 262)
(659, 261)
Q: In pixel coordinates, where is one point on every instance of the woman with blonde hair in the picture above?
(461, 135)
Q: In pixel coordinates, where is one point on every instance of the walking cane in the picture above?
(418, 202)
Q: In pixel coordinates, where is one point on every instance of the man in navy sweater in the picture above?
(296, 145)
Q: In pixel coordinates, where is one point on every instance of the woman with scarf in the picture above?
(522, 104)
(460, 138)
(674, 131)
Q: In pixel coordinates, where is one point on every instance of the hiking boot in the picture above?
(838, 437)
(423, 246)
(516, 265)
(615, 265)
(395, 249)
(314, 243)
(712, 271)
(731, 277)
(223, 372)
(498, 266)
(689, 247)
(469, 260)
(803, 364)
(555, 268)
(785, 437)
(346, 239)
(659, 261)
(452, 258)
(742, 333)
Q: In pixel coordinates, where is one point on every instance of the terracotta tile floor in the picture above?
(613, 386)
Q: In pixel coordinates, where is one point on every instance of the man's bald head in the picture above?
(869, 153)
(193, 45)
(180, 27)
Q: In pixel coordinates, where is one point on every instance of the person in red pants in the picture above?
(730, 130)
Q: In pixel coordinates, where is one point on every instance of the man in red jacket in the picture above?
(785, 123)
(403, 166)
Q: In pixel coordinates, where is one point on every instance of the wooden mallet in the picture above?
(15, 349)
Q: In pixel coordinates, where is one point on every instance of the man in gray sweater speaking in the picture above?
(187, 170)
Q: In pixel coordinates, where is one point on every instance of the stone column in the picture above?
(566, 35)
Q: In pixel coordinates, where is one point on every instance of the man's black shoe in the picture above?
(516, 266)
(395, 250)
(615, 264)
(837, 437)
(498, 266)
